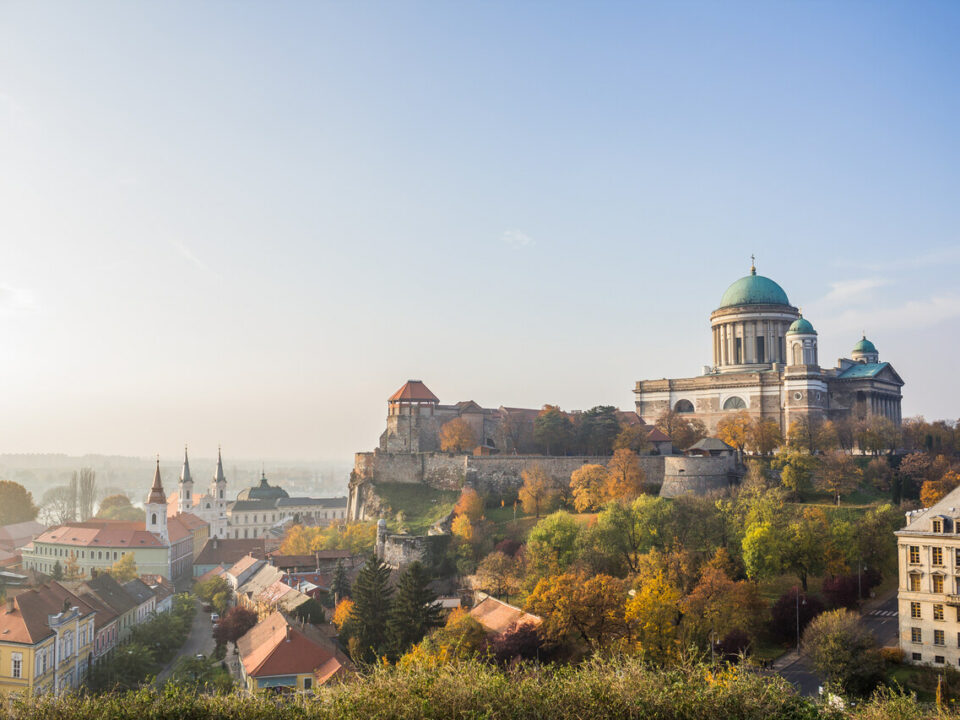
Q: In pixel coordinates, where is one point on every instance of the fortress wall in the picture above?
(696, 475)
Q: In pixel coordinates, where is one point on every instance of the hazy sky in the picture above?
(249, 223)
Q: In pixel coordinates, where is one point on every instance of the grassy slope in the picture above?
(422, 506)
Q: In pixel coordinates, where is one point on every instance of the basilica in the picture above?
(766, 362)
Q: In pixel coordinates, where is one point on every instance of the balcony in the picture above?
(953, 600)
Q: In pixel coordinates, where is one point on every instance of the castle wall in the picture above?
(697, 475)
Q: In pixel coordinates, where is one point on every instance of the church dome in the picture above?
(865, 347)
(801, 326)
(754, 290)
(263, 491)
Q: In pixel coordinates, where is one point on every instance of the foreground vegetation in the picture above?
(619, 688)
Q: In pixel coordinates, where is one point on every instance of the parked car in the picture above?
(214, 618)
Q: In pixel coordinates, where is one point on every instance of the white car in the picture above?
(214, 618)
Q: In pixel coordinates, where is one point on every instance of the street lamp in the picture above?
(798, 617)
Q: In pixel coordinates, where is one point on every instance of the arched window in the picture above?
(153, 519)
(797, 354)
(683, 406)
(734, 403)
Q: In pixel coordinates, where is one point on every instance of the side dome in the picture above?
(754, 290)
(865, 346)
(801, 326)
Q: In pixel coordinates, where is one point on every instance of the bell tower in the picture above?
(156, 507)
(185, 493)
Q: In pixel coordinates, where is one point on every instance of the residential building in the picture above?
(145, 598)
(224, 552)
(46, 641)
(106, 621)
(243, 570)
(108, 590)
(15, 536)
(280, 653)
(497, 616)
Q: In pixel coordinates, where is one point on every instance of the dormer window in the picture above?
(938, 526)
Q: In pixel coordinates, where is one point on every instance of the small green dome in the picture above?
(801, 326)
(754, 290)
(865, 347)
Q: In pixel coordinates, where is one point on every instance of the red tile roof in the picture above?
(101, 533)
(657, 435)
(276, 646)
(226, 551)
(497, 616)
(414, 391)
(26, 621)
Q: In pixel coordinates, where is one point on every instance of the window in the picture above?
(153, 518)
(938, 659)
(915, 610)
(738, 351)
(938, 637)
(917, 657)
(760, 357)
(916, 635)
(734, 403)
(16, 663)
(938, 612)
(307, 683)
(957, 558)
(937, 583)
(914, 554)
(683, 406)
(937, 526)
(936, 556)
(915, 583)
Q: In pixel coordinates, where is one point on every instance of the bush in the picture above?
(783, 615)
(521, 642)
(843, 651)
(840, 591)
(892, 655)
(733, 645)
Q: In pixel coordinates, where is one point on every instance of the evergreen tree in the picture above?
(372, 602)
(415, 609)
(57, 571)
(340, 585)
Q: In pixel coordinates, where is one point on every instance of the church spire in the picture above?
(185, 472)
(157, 496)
(218, 476)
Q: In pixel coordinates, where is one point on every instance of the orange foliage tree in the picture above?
(342, 612)
(933, 491)
(624, 476)
(469, 504)
(734, 430)
(538, 492)
(576, 607)
(587, 484)
(457, 436)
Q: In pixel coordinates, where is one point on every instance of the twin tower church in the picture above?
(766, 362)
(210, 507)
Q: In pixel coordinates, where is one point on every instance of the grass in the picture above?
(422, 505)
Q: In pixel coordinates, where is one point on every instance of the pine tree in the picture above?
(415, 609)
(57, 571)
(340, 585)
(372, 602)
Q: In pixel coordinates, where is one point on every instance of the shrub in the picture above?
(840, 591)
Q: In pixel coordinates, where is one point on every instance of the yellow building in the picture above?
(46, 641)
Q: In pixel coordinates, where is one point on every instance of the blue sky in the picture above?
(249, 223)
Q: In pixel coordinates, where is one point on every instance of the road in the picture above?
(199, 641)
(880, 618)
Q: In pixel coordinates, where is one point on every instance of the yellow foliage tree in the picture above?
(933, 491)
(718, 605)
(625, 477)
(357, 537)
(124, 569)
(587, 484)
(763, 436)
(469, 504)
(538, 492)
(462, 528)
(457, 436)
(580, 607)
(342, 612)
(71, 570)
(653, 614)
(734, 430)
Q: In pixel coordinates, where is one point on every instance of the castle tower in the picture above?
(218, 494)
(156, 507)
(185, 494)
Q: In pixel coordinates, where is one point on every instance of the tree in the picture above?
(340, 586)
(577, 607)
(843, 651)
(682, 432)
(372, 602)
(878, 473)
(598, 429)
(789, 610)
(415, 609)
(71, 569)
(796, 471)
(625, 531)
(634, 437)
(552, 545)
(457, 436)
(802, 434)
(734, 430)
(538, 492)
(837, 474)
(234, 625)
(763, 436)
(498, 574)
(827, 436)
(469, 504)
(119, 507)
(357, 537)
(124, 569)
(211, 586)
(16, 503)
(58, 506)
(763, 550)
(653, 614)
(462, 528)
(624, 476)
(57, 572)
(807, 540)
(932, 491)
(587, 485)
(342, 613)
(86, 482)
(717, 606)
(520, 641)
(552, 430)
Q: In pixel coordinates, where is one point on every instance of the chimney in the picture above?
(287, 639)
(9, 604)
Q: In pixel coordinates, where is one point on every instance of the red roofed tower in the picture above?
(156, 507)
(411, 422)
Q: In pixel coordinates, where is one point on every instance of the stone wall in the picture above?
(398, 551)
(698, 475)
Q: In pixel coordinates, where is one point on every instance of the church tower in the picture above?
(185, 494)
(156, 507)
(218, 494)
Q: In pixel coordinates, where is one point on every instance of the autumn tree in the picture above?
(234, 625)
(683, 432)
(357, 537)
(538, 492)
(624, 476)
(796, 471)
(734, 430)
(718, 606)
(456, 436)
(828, 436)
(16, 503)
(552, 430)
(837, 474)
(803, 433)
(806, 542)
(71, 569)
(342, 612)
(843, 651)
(498, 574)
(763, 436)
(878, 474)
(634, 437)
(598, 428)
(552, 545)
(933, 491)
(469, 504)
(653, 616)
(587, 484)
(86, 482)
(576, 607)
(124, 569)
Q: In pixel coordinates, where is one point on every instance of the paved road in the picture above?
(880, 618)
(200, 640)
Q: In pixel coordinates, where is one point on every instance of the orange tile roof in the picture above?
(497, 616)
(26, 621)
(191, 521)
(101, 533)
(275, 646)
(177, 530)
(244, 563)
(414, 391)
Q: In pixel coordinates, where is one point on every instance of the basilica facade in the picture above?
(766, 362)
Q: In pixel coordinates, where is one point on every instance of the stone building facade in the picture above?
(766, 362)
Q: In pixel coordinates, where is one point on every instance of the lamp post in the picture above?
(798, 618)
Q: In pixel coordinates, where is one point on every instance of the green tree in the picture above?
(124, 569)
(119, 507)
(552, 545)
(16, 503)
(807, 540)
(415, 609)
(796, 471)
(57, 572)
(625, 531)
(598, 428)
(372, 603)
(843, 651)
(340, 587)
(552, 430)
(837, 474)
(209, 588)
(763, 550)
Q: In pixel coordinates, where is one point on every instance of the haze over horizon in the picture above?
(248, 225)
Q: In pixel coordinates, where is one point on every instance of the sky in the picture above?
(249, 223)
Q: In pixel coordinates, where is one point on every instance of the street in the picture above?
(200, 640)
(880, 619)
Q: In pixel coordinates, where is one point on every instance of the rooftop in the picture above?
(414, 391)
(277, 646)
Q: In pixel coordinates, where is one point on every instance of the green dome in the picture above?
(754, 290)
(801, 326)
(865, 347)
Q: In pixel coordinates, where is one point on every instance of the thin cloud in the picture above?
(14, 300)
(516, 238)
(845, 291)
(911, 315)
